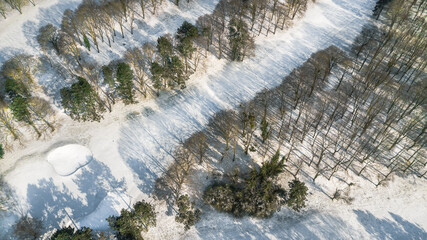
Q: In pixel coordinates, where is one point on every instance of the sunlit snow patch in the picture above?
(69, 158)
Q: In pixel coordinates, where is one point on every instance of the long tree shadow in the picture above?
(388, 229)
(56, 204)
(283, 225)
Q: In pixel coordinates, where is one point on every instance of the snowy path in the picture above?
(129, 153)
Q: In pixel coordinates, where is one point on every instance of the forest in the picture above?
(359, 111)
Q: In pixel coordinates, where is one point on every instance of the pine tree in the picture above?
(81, 102)
(186, 48)
(125, 87)
(165, 48)
(297, 195)
(67, 233)
(265, 130)
(20, 111)
(239, 39)
(157, 72)
(176, 71)
(108, 76)
(130, 223)
(187, 215)
(86, 42)
(274, 167)
(1, 151)
(14, 88)
(187, 31)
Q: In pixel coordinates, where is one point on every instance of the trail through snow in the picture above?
(130, 152)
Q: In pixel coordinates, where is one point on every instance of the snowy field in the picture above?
(111, 165)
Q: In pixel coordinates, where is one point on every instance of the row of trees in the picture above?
(7, 5)
(128, 225)
(151, 68)
(20, 103)
(362, 112)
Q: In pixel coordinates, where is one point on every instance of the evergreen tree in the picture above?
(108, 76)
(157, 72)
(259, 196)
(86, 42)
(297, 195)
(175, 72)
(186, 48)
(81, 102)
(187, 31)
(20, 111)
(14, 88)
(1, 151)
(239, 39)
(274, 167)
(130, 223)
(125, 87)
(186, 213)
(67, 233)
(265, 130)
(165, 48)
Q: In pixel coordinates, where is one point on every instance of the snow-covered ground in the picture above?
(132, 146)
(18, 32)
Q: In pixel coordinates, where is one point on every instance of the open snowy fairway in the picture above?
(132, 146)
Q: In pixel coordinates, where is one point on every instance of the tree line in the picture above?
(8, 5)
(361, 111)
(144, 71)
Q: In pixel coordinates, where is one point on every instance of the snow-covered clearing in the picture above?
(69, 158)
(132, 146)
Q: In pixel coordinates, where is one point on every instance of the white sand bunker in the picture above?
(69, 158)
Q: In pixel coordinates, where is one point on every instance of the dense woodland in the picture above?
(143, 72)
(361, 111)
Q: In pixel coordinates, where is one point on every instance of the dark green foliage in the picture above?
(14, 88)
(125, 87)
(19, 107)
(186, 48)
(175, 72)
(28, 228)
(81, 102)
(187, 31)
(239, 37)
(157, 72)
(258, 197)
(67, 233)
(86, 42)
(221, 196)
(274, 167)
(1, 151)
(186, 213)
(165, 48)
(108, 75)
(265, 130)
(130, 223)
(297, 195)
